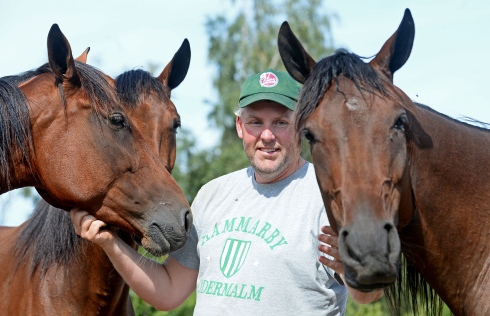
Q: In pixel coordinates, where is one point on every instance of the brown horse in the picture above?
(391, 170)
(81, 151)
(60, 273)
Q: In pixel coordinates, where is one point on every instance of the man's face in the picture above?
(267, 131)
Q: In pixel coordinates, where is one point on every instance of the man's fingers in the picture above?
(76, 218)
(328, 230)
(335, 265)
(95, 227)
(334, 252)
(86, 225)
(329, 240)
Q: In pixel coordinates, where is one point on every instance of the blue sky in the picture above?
(447, 70)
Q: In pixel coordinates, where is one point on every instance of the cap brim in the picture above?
(279, 98)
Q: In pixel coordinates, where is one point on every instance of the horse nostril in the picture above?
(388, 227)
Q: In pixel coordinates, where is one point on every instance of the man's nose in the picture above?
(267, 135)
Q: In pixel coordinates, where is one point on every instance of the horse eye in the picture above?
(309, 137)
(401, 122)
(117, 119)
(176, 126)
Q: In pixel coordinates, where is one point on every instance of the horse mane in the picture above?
(15, 131)
(50, 238)
(133, 86)
(364, 77)
(330, 68)
(101, 93)
(465, 120)
(412, 292)
(93, 82)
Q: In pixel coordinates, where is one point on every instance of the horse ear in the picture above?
(297, 61)
(176, 70)
(83, 57)
(60, 57)
(396, 49)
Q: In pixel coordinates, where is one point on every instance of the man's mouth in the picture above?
(269, 150)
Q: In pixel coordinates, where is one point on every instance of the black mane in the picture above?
(134, 85)
(101, 93)
(15, 131)
(330, 68)
(49, 237)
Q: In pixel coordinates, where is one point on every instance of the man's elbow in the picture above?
(166, 306)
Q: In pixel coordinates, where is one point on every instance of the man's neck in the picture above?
(293, 167)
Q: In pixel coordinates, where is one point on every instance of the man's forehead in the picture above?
(267, 108)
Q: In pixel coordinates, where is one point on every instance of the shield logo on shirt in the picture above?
(233, 256)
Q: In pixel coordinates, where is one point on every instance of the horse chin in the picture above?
(156, 249)
(367, 282)
(160, 240)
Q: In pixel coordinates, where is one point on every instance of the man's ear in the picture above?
(238, 124)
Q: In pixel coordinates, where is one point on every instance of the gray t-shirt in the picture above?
(256, 248)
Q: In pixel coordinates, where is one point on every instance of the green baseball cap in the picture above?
(277, 86)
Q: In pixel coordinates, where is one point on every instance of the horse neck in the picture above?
(108, 294)
(59, 260)
(18, 175)
(450, 179)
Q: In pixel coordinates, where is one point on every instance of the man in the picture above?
(253, 249)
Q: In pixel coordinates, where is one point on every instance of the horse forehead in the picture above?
(354, 104)
(157, 110)
(347, 101)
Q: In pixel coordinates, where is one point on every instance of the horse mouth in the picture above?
(159, 241)
(368, 282)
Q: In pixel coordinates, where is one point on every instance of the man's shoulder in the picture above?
(308, 181)
(307, 171)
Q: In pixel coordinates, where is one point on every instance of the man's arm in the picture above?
(164, 286)
(328, 237)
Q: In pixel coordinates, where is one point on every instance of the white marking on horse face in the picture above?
(353, 104)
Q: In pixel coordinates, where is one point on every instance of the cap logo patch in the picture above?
(268, 80)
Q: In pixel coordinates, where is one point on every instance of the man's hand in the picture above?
(88, 227)
(331, 248)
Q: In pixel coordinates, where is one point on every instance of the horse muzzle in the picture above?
(167, 233)
(370, 255)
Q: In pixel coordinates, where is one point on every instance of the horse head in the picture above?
(359, 129)
(149, 106)
(88, 153)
